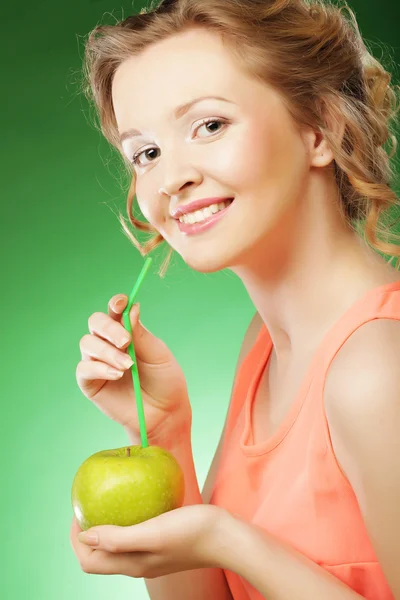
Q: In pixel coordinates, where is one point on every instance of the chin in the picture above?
(207, 263)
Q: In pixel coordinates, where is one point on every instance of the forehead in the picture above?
(175, 70)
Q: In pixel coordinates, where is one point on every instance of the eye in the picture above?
(208, 121)
(135, 158)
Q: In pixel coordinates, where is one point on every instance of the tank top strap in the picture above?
(379, 303)
(252, 364)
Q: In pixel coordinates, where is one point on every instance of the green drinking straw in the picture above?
(131, 351)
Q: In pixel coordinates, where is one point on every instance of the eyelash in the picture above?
(135, 158)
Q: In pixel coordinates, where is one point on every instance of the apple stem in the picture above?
(128, 451)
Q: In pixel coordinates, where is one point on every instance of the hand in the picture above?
(163, 384)
(179, 540)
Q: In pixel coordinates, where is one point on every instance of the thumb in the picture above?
(113, 538)
(148, 347)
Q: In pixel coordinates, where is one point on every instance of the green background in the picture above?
(64, 255)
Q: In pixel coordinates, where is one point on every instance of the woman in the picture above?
(303, 497)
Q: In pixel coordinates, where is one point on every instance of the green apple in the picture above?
(126, 486)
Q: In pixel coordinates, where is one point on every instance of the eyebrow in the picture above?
(178, 113)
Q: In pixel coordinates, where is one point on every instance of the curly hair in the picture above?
(311, 52)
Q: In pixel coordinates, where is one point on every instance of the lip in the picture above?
(197, 228)
(196, 205)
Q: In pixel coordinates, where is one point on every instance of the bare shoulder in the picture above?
(367, 360)
(362, 403)
(363, 383)
(362, 396)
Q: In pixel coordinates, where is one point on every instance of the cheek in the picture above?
(271, 150)
(142, 196)
(273, 163)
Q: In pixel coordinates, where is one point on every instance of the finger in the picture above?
(102, 562)
(134, 564)
(144, 537)
(82, 551)
(94, 348)
(148, 347)
(91, 376)
(107, 328)
(75, 527)
(116, 306)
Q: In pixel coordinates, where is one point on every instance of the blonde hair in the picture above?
(313, 54)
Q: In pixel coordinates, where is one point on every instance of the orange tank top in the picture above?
(291, 484)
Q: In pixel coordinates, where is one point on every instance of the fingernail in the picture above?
(92, 539)
(123, 341)
(119, 303)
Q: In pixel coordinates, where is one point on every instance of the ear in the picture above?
(319, 147)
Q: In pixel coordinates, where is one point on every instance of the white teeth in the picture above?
(200, 215)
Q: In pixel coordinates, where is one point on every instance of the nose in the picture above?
(173, 190)
(178, 177)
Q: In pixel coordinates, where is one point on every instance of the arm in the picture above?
(276, 570)
(198, 584)
(362, 398)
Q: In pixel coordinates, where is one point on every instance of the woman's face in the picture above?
(255, 154)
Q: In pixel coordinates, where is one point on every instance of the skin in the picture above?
(283, 235)
(302, 268)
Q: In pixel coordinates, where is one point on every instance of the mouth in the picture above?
(202, 220)
(204, 213)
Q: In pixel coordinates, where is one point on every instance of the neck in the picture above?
(308, 271)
